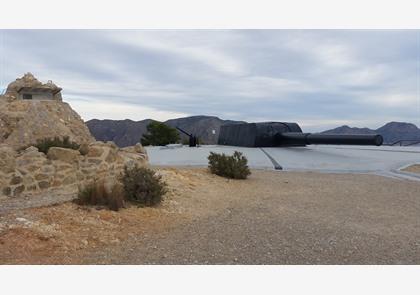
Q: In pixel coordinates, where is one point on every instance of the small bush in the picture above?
(143, 186)
(235, 166)
(45, 144)
(96, 194)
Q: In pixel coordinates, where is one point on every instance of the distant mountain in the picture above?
(391, 132)
(395, 131)
(349, 130)
(201, 126)
(127, 132)
(122, 132)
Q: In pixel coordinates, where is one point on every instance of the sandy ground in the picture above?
(271, 218)
(413, 168)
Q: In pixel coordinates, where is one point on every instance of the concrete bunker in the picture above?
(29, 88)
(38, 93)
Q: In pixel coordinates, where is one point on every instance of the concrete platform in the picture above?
(384, 160)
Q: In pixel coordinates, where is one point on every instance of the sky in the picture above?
(320, 79)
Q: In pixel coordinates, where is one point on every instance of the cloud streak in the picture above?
(320, 78)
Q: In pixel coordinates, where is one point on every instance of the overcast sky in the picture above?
(318, 78)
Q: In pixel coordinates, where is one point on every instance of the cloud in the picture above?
(320, 78)
(93, 109)
(194, 48)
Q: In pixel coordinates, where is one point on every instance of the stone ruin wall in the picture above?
(30, 172)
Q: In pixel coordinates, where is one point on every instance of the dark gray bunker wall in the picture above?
(254, 134)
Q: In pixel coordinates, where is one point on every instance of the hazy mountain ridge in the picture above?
(391, 132)
(127, 132)
(122, 132)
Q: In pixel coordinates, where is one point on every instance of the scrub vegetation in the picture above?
(97, 194)
(235, 166)
(143, 186)
(140, 186)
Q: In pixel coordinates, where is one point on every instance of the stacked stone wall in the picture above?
(30, 172)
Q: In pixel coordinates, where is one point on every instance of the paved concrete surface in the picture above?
(384, 160)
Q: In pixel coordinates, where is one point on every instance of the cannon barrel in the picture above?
(277, 134)
(297, 138)
(186, 133)
(193, 140)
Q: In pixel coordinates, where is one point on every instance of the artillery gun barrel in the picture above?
(186, 133)
(193, 140)
(278, 134)
(297, 138)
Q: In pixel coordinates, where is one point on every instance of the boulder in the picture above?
(62, 154)
(95, 151)
(84, 149)
(7, 159)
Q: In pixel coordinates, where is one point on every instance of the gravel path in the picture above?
(284, 218)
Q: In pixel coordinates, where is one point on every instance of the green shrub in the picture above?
(96, 194)
(235, 166)
(159, 134)
(143, 186)
(45, 144)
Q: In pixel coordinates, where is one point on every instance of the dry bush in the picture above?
(97, 194)
(235, 166)
(143, 186)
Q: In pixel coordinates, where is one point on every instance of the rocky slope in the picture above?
(391, 132)
(24, 122)
(27, 172)
(128, 132)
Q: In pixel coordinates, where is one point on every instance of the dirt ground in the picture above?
(271, 218)
(413, 168)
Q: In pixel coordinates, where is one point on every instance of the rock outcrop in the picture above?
(24, 122)
(63, 171)
(31, 111)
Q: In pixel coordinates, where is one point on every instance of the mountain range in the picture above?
(391, 132)
(127, 132)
